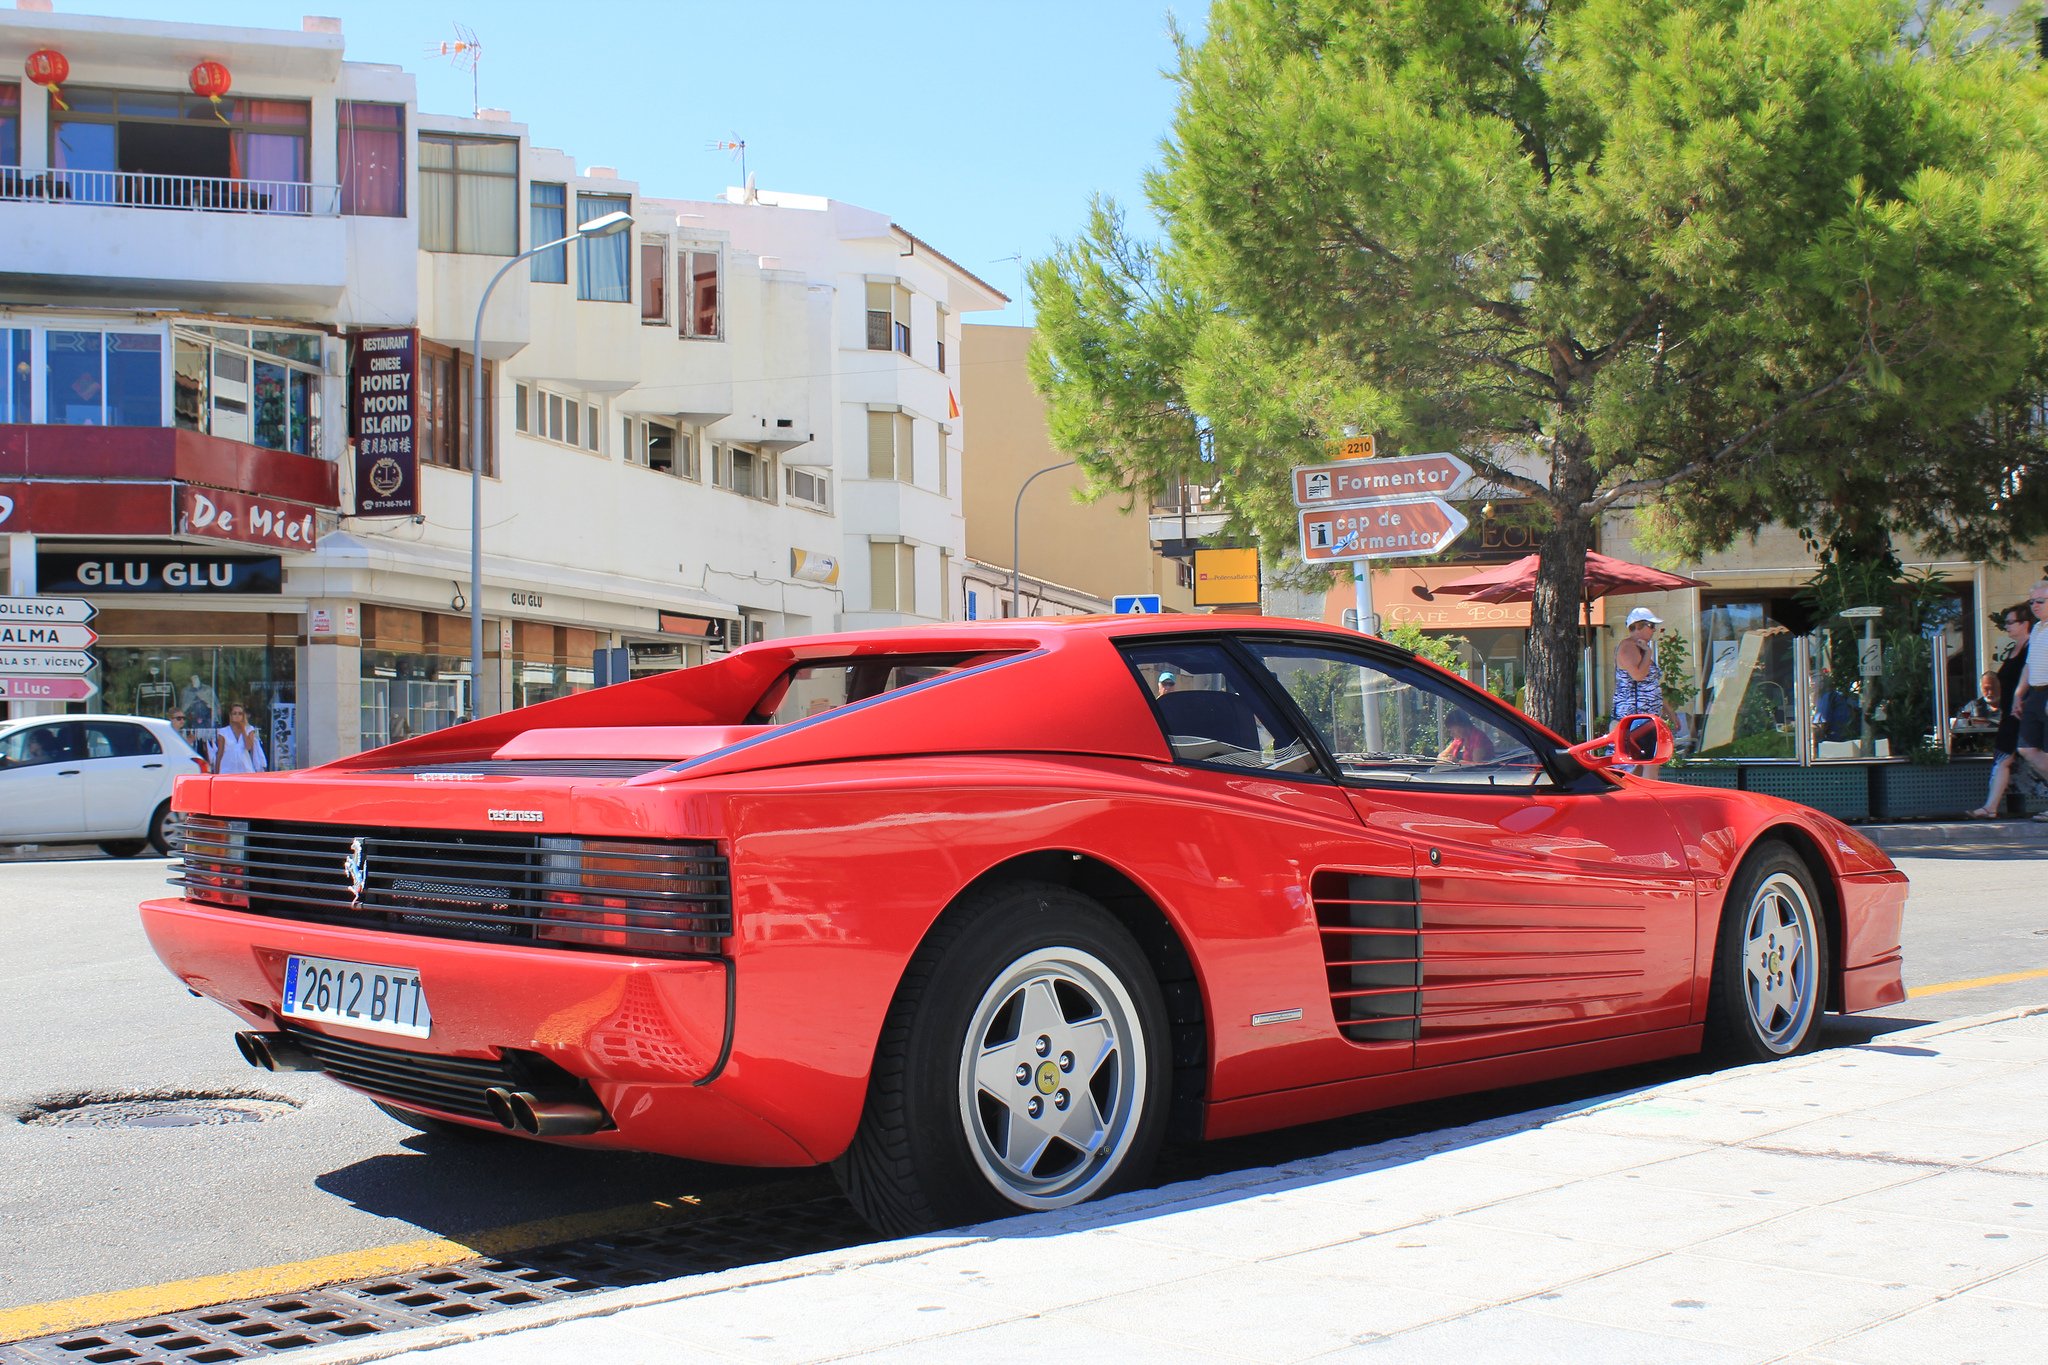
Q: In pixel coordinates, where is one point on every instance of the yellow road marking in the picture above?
(295, 1277)
(1945, 987)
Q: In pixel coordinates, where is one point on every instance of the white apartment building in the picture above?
(733, 421)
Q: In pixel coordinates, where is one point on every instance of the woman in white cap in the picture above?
(1638, 677)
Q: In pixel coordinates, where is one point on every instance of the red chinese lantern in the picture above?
(211, 79)
(46, 66)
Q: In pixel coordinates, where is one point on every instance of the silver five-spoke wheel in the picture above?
(1051, 1078)
(1778, 961)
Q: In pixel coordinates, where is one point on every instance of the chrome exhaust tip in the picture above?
(555, 1118)
(274, 1052)
(500, 1100)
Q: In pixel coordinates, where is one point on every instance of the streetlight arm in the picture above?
(476, 478)
(1016, 526)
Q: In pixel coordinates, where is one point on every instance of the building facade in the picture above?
(244, 340)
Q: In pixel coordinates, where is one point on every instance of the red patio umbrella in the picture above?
(1605, 576)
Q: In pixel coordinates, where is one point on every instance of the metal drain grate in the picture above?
(260, 1328)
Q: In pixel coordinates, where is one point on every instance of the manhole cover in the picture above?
(156, 1111)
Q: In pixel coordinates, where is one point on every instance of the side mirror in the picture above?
(1634, 739)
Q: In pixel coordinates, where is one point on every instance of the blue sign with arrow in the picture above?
(1136, 604)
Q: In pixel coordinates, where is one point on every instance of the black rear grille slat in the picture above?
(477, 886)
(452, 1085)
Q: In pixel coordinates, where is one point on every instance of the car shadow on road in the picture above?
(2017, 839)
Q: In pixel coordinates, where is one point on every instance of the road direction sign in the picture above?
(34, 635)
(1136, 604)
(1397, 476)
(1392, 528)
(46, 610)
(48, 689)
(46, 663)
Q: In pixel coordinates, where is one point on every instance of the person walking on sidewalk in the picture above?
(1639, 676)
(2018, 623)
(2030, 698)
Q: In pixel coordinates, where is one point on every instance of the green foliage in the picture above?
(1747, 260)
(1674, 659)
(1760, 744)
(1445, 651)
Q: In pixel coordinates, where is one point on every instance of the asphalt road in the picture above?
(87, 1015)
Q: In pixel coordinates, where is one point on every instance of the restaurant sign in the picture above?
(245, 518)
(383, 420)
(65, 571)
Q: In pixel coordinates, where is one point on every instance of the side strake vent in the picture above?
(1372, 950)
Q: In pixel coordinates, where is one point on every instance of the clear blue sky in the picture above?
(980, 125)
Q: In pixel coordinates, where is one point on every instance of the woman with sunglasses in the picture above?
(2018, 623)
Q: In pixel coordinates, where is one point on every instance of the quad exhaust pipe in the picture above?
(275, 1052)
(524, 1112)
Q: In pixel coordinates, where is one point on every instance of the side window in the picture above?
(1385, 724)
(39, 744)
(1213, 713)
(111, 739)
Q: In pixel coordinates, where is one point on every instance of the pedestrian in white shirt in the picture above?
(2030, 698)
(238, 748)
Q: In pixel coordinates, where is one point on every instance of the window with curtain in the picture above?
(469, 194)
(890, 447)
(445, 378)
(547, 220)
(697, 283)
(654, 280)
(370, 155)
(604, 265)
(892, 577)
(160, 141)
(10, 123)
(888, 317)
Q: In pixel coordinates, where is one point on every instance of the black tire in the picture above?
(935, 1142)
(1770, 961)
(123, 848)
(433, 1127)
(163, 828)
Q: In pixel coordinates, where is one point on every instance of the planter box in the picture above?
(1842, 791)
(1724, 775)
(1904, 790)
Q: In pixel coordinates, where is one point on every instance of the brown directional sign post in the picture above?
(1397, 476)
(1390, 528)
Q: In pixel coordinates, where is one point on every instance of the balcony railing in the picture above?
(198, 193)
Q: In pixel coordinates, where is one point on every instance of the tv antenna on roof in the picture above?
(465, 51)
(735, 144)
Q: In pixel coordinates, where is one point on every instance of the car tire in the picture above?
(1770, 961)
(982, 1102)
(433, 1127)
(164, 828)
(122, 848)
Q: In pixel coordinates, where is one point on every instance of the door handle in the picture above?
(67, 772)
(147, 766)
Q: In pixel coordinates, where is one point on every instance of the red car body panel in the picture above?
(1559, 930)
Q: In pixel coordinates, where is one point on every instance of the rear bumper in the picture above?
(1873, 917)
(649, 1036)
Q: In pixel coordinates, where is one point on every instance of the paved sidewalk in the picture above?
(1877, 1205)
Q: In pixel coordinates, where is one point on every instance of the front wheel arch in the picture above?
(1803, 842)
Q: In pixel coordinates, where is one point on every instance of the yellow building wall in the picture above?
(1097, 547)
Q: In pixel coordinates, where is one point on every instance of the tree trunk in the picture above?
(1554, 624)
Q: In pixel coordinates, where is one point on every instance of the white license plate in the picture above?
(386, 999)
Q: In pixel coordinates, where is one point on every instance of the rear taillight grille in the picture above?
(1372, 953)
(649, 897)
(452, 1085)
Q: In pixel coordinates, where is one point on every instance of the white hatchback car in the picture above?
(102, 780)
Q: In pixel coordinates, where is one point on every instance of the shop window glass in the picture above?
(15, 384)
(371, 156)
(262, 388)
(135, 379)
(406, 694)
(1748, 666)
(74, 379)
(193, 686)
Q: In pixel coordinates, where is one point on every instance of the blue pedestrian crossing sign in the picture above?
(1136, 604)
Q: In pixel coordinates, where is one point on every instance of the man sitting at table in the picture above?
(1982, 709)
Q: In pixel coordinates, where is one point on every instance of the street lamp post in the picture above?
(597, 227)
(1016, 523)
